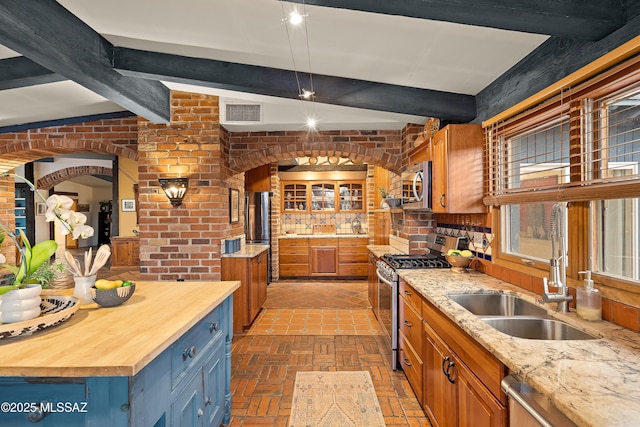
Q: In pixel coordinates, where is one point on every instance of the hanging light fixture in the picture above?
(175, 189)
(296, 18)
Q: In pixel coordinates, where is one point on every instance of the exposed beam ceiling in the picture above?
(576, 19)
(21, 72)
(282, 83)
(59, 45)
(51, 36)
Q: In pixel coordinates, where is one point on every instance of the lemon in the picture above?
(105, 284)
(466, 253)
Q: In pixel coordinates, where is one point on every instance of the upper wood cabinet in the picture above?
(458, 169)
(323, 196)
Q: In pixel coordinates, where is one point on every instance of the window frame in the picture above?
(584, 98)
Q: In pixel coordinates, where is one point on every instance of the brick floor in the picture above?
(264, 366)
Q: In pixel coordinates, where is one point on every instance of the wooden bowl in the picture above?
(459, 262)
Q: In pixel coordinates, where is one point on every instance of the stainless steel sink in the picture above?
(537, 328)
(497, 305)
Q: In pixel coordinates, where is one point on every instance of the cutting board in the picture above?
(324, 229)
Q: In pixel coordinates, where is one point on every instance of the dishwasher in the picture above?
(529, 408)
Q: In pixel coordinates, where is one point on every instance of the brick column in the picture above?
(184, 242)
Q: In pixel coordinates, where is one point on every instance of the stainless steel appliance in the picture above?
(528, 408)
(388, 281)
(257, 221)
(416, 186)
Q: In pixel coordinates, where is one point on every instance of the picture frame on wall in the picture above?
(234, 205)
(41, 209)
(128, 205)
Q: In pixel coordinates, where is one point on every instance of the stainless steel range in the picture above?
(388, 281)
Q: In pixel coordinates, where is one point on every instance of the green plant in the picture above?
(34, 264)
(384, 193)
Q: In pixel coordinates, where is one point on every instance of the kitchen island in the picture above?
(161, 358)
(593, 382)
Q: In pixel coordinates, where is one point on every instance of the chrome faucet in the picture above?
(557, 263)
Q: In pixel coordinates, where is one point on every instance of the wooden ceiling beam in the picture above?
(282, 83)
(19, 72)
(54, 38)
(574, 19)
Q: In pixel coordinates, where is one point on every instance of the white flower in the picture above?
(59, 208)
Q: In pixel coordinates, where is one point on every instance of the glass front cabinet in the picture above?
(325, 196)
(294, 196)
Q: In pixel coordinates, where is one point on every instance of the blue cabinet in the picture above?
(186, 385)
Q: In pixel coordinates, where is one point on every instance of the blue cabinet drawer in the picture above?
(189, 348)
(64, 402)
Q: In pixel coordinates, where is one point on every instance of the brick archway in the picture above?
(49, 181)
(378, 148)
(118, 136)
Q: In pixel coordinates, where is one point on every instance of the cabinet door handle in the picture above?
(408, 324)
(214, 327)
(449, 366)
(200, 412)
(444, 361)
(442, 200)
(406, 361)
(407, 293)
(39, 412)
(208, 401)
(189, 352)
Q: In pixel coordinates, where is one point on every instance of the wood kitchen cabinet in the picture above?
(323, 254)
(125, 251)
(249, 298)
(458, 165)
(455, 378)
(323, 196)
(352, 256)
(461, 379)
(294, 257)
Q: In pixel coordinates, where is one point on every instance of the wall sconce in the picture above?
(174, 188)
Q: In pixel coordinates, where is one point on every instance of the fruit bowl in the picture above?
(112, 297)
(459, 263)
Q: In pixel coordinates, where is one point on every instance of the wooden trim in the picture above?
(625, 51)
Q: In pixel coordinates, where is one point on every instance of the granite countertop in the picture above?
(321, 236)
(247, 251)
(594, 382)
(380, 250)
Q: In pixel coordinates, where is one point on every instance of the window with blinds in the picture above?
(579, 147)
(582, 146)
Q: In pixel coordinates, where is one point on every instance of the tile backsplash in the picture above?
(480, 238)
(302, 223)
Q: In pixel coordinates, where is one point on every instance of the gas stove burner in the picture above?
(414, 261)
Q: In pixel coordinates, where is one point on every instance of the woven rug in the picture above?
(335, 399)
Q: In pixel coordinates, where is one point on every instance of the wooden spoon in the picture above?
(87, 262)
(72, 263)
(102, 256)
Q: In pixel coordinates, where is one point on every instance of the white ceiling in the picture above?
(390, 49)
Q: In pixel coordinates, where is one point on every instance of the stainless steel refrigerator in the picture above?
(257, 221)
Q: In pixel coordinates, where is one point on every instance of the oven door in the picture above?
(388, 314)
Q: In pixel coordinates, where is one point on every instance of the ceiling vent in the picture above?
(243, 113)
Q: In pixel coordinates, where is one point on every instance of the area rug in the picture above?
(335, 399)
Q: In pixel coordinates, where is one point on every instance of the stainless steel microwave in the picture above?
(416, 186)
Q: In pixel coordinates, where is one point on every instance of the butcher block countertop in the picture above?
(114, 341)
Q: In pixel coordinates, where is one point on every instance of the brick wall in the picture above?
(49, 181)
(184, 242)
(252, 149)
(110, 136)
